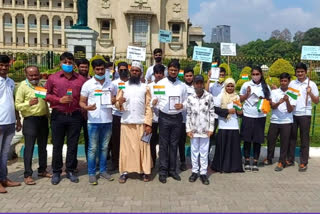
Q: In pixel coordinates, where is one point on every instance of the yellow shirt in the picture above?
(24, 94)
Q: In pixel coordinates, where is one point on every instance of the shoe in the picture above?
(45, 174)
(175, 176)
(146, 178)
(255, 168)
(247, 166)
(2, 189)
(279, 167)
(29, 181)
(93, 180)
(289, 163)
(193, 177)
(106, 176)
(55, 178)
(163, 179)
(73, 178)
(183, 166)
(9, 183)
(204, 179)
(123, 178)
(303, 167)
(267, 162)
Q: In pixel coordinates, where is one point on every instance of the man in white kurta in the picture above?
(134, 101)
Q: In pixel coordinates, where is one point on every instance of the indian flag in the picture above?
(181, 73)
(159, 90)
(214, 65)
(237, 105)
(245, 77)
(40, 92)
(97, 92)
(121, 85)
(259, 105)
(293, 93)
(69, 92)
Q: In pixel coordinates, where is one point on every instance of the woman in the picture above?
(227, 157)
(253, 122)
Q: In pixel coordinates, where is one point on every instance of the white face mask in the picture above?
(34, 82)
(256, 78)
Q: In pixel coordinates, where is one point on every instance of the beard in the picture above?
(134, 80)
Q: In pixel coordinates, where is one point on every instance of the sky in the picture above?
(254, 19)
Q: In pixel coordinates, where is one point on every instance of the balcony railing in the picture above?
(57, 27)
(20, 44)
(8, 43)
(8, 24)
(32, 26)
(45, 26)
(68, 27)
(20, 25)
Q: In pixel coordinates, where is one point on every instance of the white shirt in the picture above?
(7, 109)
(149, 73)
(301, 108)
(190, 91)
(155, 111)
(135, 105)
(176, 89)
(102, 114)
(215, 89)
(224, 123)
(116, 86)
(281, 114)
(248, 109)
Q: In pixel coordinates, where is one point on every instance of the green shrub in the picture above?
(18, 65)
(227, 68)
(245, 70)
(273, 81)
(235, 72)
(280, 66)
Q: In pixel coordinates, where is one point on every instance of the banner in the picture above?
(228, 49)
(136, 53)
(165, 36)
(202, 54)
(310, 53)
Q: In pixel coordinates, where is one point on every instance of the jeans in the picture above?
(6, 135)
(99, 137)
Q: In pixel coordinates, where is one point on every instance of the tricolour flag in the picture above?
(245, 77)
(121, 85)
(263, 106)
(69, 92)
(159, 90)
(181, 73)
(97, 92)
(214, 65)
(237, 105)
(293, 93)
(40, 92)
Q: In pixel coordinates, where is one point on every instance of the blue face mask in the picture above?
(67, 68)
(100, 77)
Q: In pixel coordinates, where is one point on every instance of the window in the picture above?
(176, 32)
(105, 25)
(176, 29)
(35, 40)
(105, 36)
(47, 21)
(59, 4)
(140, 31)
(59, 22)
(106, 28)
(47, 40)
(59, 41)
(175, 39)
(71, 22)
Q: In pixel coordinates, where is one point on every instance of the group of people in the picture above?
(130, 115)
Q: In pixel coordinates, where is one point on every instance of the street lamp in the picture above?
(265, 69)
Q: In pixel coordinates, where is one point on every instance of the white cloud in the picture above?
(253, 19)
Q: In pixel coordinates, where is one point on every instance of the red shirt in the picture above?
(57, 86)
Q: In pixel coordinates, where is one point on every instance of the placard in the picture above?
(79, 52)
(165, 36)
(173, 100)
(113, 53)
(228, 49)
(202, 54)
(136, 53)
(215, 74)
(310, 53)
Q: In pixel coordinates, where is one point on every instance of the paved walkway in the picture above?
(266, 191)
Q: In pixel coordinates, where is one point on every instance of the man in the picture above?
(308, 94)
(199, 127)
(63, 94)
(116, 116)
(83, 69)
(188, 81)
(280, 122)
(158, 56)
(9, 122)
(134, 101)
(97, 97)
(158, 72)
(170, 105)
(30, 102)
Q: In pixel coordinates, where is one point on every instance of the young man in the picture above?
(9, 122)
(308, 94)
(136, 121)
(188, 81)
(158, 72)
(63, 94)
(281, 121)
(116, 116)
(97, 97)
(170, 105)
(83, 69)
(35, 124)
(199, 127)
(158, 56)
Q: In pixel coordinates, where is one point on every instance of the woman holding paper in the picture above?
(227, 157)
(253, 122)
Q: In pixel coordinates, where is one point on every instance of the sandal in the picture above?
(29, 181)
(45, 174)
(123, 178)
(146, 178)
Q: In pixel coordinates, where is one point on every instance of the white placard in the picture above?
(215, 74)
(228, 49)
(310, 53)
(136, 53)
(114, 53)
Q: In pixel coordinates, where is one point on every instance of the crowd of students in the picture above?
(128, 115)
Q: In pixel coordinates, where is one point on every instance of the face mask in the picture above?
(34, 82)
(67, 68)
(221, 79)
(124, 73)
(172, 79)
(158, 59)
(256, 78)
(100, 77)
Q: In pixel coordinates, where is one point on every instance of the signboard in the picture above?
(136, 53)
(79, 52)
(228, 49)
(113, 53)
(165, 36)
(202, 54)
(310, 53)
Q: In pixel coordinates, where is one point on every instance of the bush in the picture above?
(280, 66)
(239, 83)
(245, 70)
(273, 81)
(228, 70)
(91, 73)
(235, 72)
(18, 65)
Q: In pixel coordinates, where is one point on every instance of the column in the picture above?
(50, 32)
(26, 4)
(38, 31)
(14, 30)
(26, 29)
(50, 4)
(62, 5)
(75, 6)
(63, 35)
(13, 3)
(131, 29)
(38, 4)
(1, 3)
(1, 29)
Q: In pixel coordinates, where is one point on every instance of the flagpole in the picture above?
(310, 75)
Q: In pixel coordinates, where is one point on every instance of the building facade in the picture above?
(221, 33)
(38, 26)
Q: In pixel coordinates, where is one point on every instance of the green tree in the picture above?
(280, 66)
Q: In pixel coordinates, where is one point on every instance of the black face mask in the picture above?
(123, 73)
(134, 80)
(189, 83)
(171, 79)
(158, 59)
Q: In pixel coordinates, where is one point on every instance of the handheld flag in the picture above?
(69, 92)
(40, 92)
(237, 105)
(159, 90)
(293, 93)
